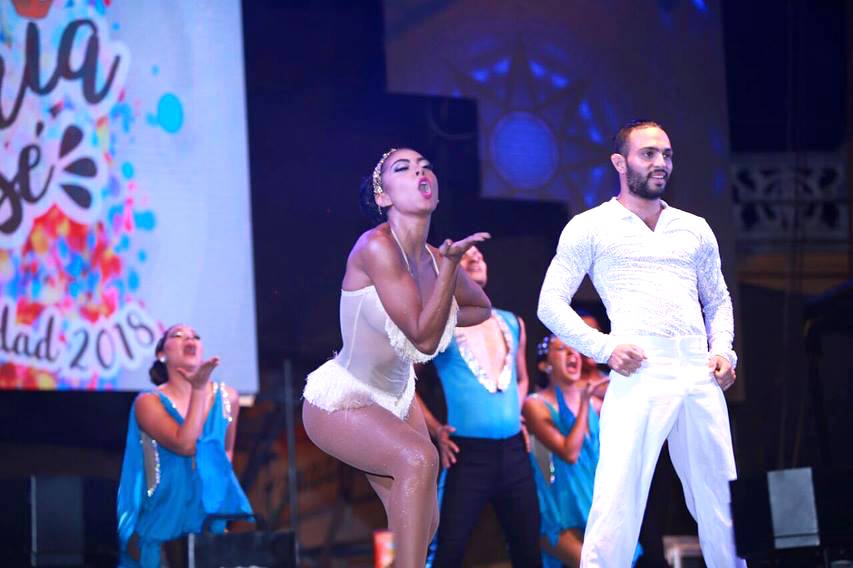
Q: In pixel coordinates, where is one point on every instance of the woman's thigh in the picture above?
(368, 438)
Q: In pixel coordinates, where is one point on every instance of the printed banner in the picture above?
(124, 194)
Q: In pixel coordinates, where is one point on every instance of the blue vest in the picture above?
(471, 408)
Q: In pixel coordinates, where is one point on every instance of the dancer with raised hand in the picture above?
(563, 422)
(177, 458)
(401, 300)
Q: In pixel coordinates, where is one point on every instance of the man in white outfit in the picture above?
(657, 270)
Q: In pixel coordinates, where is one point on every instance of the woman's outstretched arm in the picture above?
(422, 322)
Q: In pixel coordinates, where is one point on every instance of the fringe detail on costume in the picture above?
(331, 387)
(407, 351)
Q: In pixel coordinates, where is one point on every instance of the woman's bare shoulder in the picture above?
(145, 398)
(148, 403)
(373, 241)
(370, 251)
(374, 247)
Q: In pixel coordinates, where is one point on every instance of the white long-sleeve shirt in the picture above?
(665, 282)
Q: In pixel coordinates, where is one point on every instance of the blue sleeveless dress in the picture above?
(565, 490)
(163, 495)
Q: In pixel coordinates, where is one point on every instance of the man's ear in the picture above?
(618, 161)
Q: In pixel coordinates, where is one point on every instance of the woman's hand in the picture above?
(454, 250)
(201, 377)
(592, 388)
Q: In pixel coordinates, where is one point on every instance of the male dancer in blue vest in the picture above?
(483, 446)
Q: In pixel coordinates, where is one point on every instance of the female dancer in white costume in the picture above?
(400, 302)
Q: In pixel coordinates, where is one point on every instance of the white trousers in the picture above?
(673, 397)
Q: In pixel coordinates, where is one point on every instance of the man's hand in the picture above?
(626, 359)
(447, 450)
(723, 371)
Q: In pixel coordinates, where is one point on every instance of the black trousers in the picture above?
(488, 471)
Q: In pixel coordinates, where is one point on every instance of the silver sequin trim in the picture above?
(155, 454)
(226, 401)
(483, 378)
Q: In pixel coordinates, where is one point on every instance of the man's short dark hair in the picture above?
(620, 141)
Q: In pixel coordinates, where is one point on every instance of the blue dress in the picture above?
(163, 495)
(565, 490)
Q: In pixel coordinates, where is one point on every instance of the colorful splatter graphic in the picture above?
(170, 113)
(71, 315)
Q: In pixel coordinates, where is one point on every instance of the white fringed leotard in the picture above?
(374, 366)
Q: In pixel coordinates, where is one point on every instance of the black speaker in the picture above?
(58, 521)
(792, 509)
(269, 549)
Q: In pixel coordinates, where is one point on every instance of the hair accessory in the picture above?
(377, 172)
(543, 346)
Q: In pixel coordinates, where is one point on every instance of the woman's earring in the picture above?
(548, 369)
(162, 359)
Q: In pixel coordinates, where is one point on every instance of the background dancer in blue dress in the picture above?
(483, 450)
(563, 421)
(177, 458)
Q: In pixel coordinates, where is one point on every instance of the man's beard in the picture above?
(638, 184)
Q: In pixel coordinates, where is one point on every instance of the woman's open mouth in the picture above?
(573, 365)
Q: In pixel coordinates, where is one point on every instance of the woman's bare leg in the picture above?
(568, 548)
(416, 420)
(382, 485)
(377, 442)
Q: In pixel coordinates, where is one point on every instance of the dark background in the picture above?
(319, 117)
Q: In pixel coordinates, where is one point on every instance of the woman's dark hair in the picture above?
(158, 372)
(367, 202)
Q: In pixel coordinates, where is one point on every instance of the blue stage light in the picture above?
(524, 150)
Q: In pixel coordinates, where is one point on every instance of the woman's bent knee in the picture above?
(421, 461)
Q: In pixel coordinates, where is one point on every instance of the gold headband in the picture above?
(377, 172)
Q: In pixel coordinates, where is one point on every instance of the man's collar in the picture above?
(625, 213)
